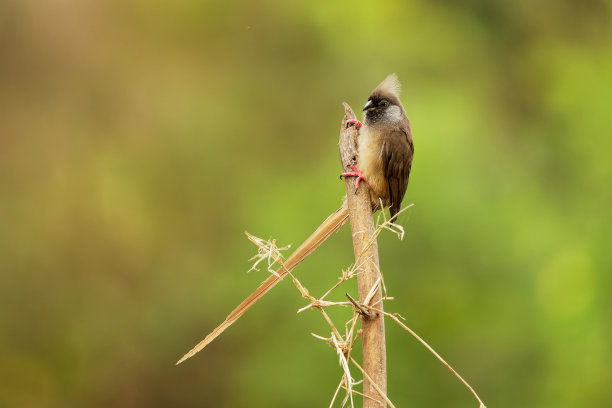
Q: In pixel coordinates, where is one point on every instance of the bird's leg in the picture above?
(354, 122)
(355, 173)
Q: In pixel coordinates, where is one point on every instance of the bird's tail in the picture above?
(327, 228)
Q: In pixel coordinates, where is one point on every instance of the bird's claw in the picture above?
(355, 173)
(354, 122)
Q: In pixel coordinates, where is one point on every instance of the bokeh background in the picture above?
(138, 140)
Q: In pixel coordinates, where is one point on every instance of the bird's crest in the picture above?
(390, 85)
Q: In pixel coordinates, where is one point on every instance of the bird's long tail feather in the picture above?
(327, 228)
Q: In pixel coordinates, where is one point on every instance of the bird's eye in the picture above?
(384, 103)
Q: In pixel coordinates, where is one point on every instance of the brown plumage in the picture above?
(385, 146)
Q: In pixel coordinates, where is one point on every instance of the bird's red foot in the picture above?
(355, 173)
(354, 122)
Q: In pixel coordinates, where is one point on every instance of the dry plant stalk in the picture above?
(369, 309)
(397, 317)
(324, 231)
(368, 279)
(343, 343)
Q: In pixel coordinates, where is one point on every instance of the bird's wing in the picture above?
(397, 152)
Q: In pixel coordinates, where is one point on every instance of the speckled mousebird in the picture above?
(385, 147)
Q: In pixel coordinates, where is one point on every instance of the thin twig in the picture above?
(376, 387)
(266, 251)
(423, 342)
(336, 393)
(362, 311)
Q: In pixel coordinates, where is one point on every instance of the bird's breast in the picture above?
(370, 161)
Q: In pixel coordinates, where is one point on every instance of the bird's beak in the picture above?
(369, 106)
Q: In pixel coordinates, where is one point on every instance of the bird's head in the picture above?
(383, 104)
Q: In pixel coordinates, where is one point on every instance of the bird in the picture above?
(385, 148)
(385, 154)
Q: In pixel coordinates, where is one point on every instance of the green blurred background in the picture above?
(138, 140)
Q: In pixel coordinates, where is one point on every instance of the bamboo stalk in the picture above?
(366, 255)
